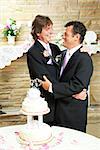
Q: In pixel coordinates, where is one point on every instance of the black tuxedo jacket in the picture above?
(37, 65)
(71, 112)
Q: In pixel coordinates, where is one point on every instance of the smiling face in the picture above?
(42, 28)
(46, 34)
(70, 40)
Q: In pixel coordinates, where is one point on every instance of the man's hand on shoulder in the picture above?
(85, 49)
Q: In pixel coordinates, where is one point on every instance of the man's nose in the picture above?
(63, 36)
(51, 32)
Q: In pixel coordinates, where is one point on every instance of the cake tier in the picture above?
(34, 113)
(36, 134)
(33, 104)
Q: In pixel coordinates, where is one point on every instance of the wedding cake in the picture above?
(36, 134)
(35, 131)
(34, 104)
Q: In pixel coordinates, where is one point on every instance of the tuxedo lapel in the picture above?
(40, 49)
(52, 50)
(62, 56)
(53, 54)
(39, 46)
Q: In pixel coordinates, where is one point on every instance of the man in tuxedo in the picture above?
(75, 75)
(41, 59)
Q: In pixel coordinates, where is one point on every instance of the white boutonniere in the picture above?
(58, 58)
(46, 53)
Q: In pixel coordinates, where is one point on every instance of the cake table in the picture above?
(63, 139)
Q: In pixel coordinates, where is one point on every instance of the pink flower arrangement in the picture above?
(11, 28)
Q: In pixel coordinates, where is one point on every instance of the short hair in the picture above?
(78, 27)
(38, 24)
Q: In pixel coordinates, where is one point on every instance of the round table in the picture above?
(63, 139)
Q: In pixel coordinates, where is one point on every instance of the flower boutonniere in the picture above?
(58, 58)
(46, 53)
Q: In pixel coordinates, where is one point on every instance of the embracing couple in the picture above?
(64, 83)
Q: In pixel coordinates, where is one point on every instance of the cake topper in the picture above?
(35, 83)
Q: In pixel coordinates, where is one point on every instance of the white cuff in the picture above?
(50, 88)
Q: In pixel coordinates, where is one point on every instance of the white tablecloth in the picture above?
(63, 139)
(8, 53)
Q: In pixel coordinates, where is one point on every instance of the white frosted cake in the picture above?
(34, 104)
(35, 131)
(36, 134)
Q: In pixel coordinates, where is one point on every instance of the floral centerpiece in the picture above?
(11, 29)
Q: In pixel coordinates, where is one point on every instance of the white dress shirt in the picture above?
(47, 47)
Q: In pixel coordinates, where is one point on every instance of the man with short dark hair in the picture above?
(75, 74)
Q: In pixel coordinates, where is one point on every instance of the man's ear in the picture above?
(38, 34)
(77, 36)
